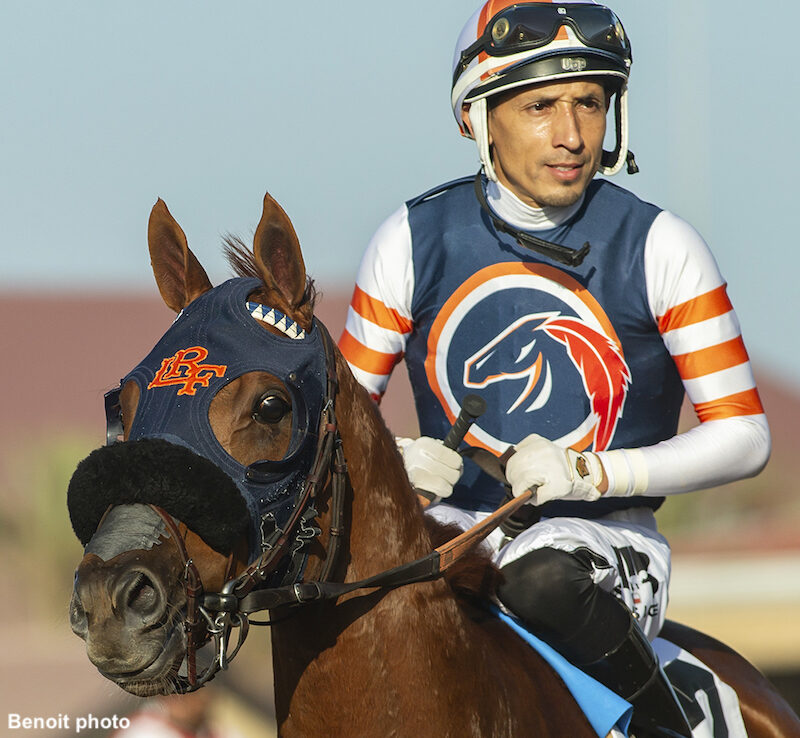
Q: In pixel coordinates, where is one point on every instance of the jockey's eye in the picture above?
(270, 408)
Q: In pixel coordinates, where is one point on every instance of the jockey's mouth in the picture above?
(566, 172)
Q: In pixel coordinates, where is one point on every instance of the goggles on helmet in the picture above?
(532, 25)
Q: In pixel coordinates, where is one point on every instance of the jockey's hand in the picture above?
(553, 472)
(430, 465)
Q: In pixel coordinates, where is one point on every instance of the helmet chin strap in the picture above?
(479, 120)
(612, 161)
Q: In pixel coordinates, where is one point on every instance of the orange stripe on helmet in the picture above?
(367, 359)
(491, 9)
(376, 312)
(483, 20)
(732, 406)
(488, 11)
(496, 70)
(703, 307)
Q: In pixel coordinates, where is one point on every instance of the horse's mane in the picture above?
(243, 262)
(473, 578)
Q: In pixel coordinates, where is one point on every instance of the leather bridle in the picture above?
(213, 616)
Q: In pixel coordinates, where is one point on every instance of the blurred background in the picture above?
(342, 112)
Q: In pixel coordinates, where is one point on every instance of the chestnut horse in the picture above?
(172, 554)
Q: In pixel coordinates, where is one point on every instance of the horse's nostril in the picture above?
(140, 597)
(78, 619)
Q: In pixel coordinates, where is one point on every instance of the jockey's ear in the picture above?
(278, 256)
(465, 119)
(179, 276)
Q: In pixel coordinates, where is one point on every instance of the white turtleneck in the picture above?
(511, 209)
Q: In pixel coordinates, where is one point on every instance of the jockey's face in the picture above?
(547, 140)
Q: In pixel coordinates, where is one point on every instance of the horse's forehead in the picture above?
(216, 340)
(221, 336)
(127, 528)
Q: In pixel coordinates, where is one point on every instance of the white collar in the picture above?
(515, 212)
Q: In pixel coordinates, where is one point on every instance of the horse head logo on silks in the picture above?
(513, 356)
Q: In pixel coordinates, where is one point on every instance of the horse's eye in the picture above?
(270, 408)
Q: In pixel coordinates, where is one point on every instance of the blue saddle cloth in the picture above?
(603, 708)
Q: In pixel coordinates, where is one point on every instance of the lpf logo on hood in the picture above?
(184, 369)
(532, 367)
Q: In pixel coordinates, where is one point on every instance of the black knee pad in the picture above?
(553, 593)
(547, 588)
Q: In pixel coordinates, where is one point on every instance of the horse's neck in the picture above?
(407, 661)
(387, 528)
(325, 650)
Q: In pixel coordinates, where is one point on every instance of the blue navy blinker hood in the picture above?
(214, 341)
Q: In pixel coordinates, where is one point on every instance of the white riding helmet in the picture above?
(506, 45)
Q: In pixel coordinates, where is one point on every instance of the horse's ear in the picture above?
(278, 255)
(179, 275)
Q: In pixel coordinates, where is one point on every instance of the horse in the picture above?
(280, 487)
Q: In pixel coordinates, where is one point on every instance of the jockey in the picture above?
(582, 315)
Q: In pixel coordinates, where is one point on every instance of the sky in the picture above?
(341, 111)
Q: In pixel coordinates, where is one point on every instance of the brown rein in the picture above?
(243, 596)
(220, 610)
(428, 568)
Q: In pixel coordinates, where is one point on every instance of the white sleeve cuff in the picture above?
(626, 471)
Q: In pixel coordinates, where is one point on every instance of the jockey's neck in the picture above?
(516, 213)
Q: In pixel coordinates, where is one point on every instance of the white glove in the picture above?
(555, 473)
(430, 465)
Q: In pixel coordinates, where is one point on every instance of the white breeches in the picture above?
(631, 559)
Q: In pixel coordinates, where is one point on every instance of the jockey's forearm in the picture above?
(713, 453)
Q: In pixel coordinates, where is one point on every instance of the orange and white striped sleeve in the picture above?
(379, 317)
(689, 302)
